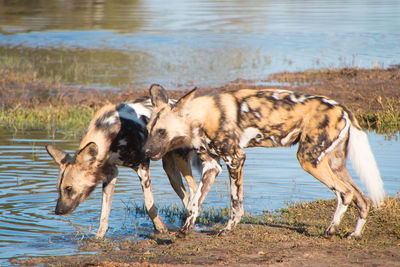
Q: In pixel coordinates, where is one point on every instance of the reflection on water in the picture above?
(200, 43)
(203, 16)
(41, 15)
(28, 226)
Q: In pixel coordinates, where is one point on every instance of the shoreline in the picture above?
(373, 95)
(293, 236)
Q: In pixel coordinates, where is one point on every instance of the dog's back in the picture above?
(120, 132)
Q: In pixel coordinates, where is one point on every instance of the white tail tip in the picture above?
(364, 163)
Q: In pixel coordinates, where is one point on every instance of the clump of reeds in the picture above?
(68, 119)
(385, 120)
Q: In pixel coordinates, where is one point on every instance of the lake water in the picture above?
(28, 178)
(132, 44)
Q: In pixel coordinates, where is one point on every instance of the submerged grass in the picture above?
(174, 213)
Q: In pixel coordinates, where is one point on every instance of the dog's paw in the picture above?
(354, 236)
(223, 232)
(181, 233)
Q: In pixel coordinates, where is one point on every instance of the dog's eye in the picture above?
(68, 189)
(161, 132)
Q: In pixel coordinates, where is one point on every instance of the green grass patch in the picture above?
(386, 120)
(70, 120)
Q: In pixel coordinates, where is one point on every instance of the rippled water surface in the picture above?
(28, 177)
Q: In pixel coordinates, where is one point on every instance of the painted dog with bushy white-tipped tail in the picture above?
(222, 125)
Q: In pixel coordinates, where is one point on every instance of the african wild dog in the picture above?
(222, 125)
(116, 136)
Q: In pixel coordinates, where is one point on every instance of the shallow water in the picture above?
(132, 44)
(28, 177)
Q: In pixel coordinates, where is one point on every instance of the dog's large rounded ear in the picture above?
(185, 100)
(158, 95)
(58, 155)
(87, 155)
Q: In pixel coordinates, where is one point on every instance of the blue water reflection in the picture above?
(28, 177)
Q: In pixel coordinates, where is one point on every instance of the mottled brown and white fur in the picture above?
(116, 136)
(222, 125)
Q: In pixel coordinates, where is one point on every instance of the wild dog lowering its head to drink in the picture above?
(222, 125)
(116, 136)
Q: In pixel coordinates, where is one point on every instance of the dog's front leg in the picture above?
(211, 169)
(235, 163)
(108, 193)
(144, 176)
(172, 164)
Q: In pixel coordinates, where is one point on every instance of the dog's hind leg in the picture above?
(108, 192)
(360, 199)
(337, 162)
(341, 209)
(344, 192)
(144, 176)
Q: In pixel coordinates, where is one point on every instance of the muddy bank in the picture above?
(362, 90)
(373, 95)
